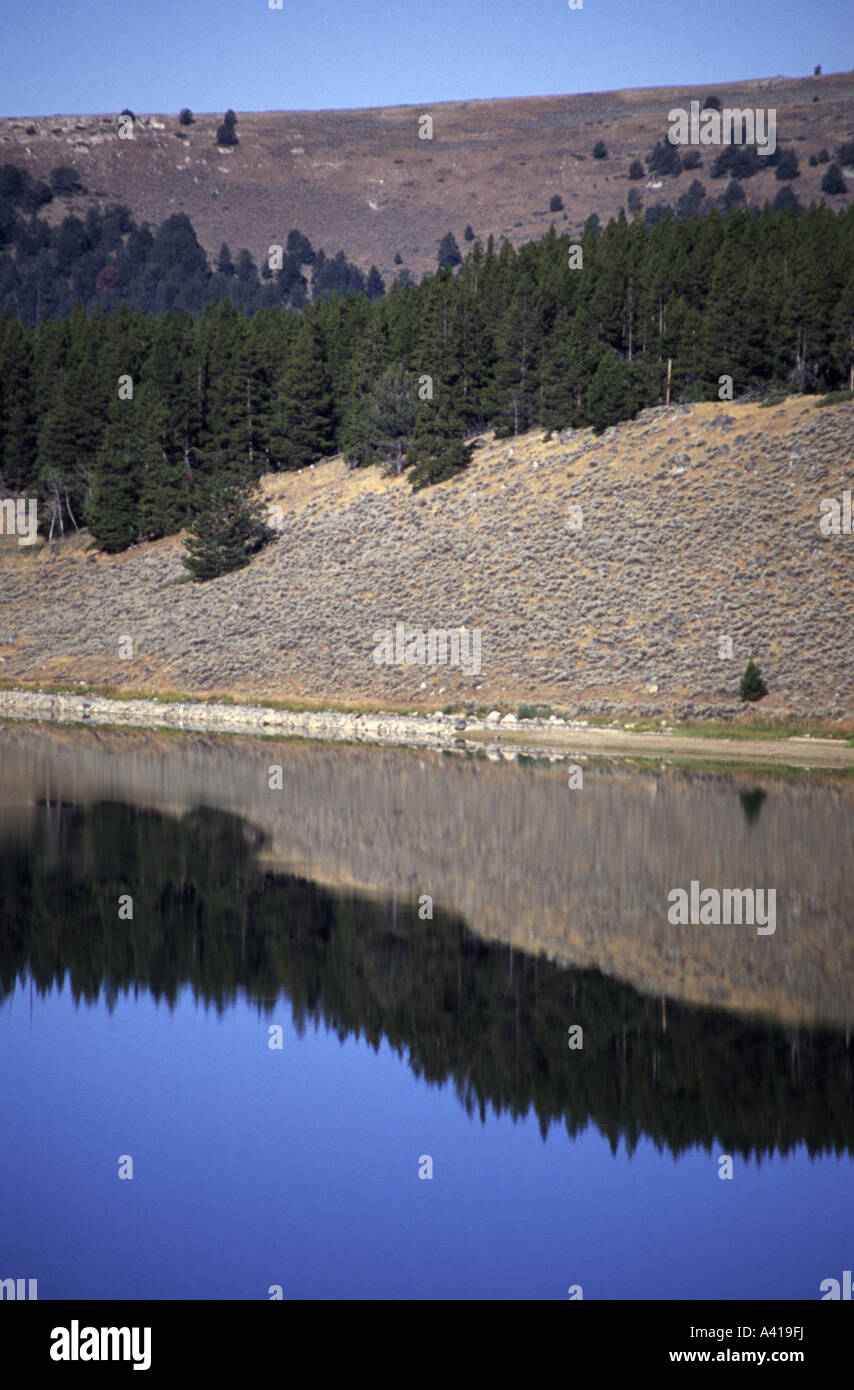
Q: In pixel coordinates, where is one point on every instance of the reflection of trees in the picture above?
(751, 803)
(491, 1021)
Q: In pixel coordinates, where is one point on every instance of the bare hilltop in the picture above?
(367, 183)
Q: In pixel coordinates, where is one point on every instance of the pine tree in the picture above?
(375, 285)
(391, 417)
(303, 426)
(518, 341)
(752, 686)
(833, 182)
(226, 134)
(787, 166)
(164, 492)
(17, 415)
(366, 367)
(228, 526)
(224, 263)
(449, 252)
(438, 449)
(112, 513)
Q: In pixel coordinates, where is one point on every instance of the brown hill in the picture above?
(697, 523)
(363, 181)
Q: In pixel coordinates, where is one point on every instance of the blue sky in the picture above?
(92, 56)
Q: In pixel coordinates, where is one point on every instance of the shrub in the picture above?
(739, 161)
(845, 154)
(833, 182)
(186, 116)
(664, 159)
(823, 157)
(752, 686)
(64, 179)
(636, 169)
(599, 150)
(787, 167)
(712, 103)
(555, 203)
(688, 204)
(226, 134)
(691, 160)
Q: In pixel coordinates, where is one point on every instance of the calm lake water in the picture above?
(406, 1038)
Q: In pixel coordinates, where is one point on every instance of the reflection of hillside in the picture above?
(580, 876)
(491, 1020)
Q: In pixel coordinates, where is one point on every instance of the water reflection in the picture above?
(120, 898)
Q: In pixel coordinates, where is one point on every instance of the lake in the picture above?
(375, 1023)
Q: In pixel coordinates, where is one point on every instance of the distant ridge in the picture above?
(364, 182)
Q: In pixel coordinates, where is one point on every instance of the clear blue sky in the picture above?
(94, 56)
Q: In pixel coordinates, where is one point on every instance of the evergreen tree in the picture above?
(438, 449)
(833, 182)
(615, 393)
(224, 263)
(751, 686)
(303, 424)
(688, 204)
(391, 417)
(226, 134)
(664, 159)
(228, 526)
(468, 234)
(17, 415)
(787, 166)
(375, 286)
(164, 482)
(600, 150)
(366, 367)
(449, 252)
(636, 170)
(112, 511)
(299, 247)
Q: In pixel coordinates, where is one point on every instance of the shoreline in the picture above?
(510, 737)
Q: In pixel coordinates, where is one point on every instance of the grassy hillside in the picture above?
(697, 523)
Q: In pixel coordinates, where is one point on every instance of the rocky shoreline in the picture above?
(497, 735)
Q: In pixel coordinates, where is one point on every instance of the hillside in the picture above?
(364, 182)
(697, 522)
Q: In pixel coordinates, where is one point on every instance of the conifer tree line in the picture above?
(513, 340)
(105, 259)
